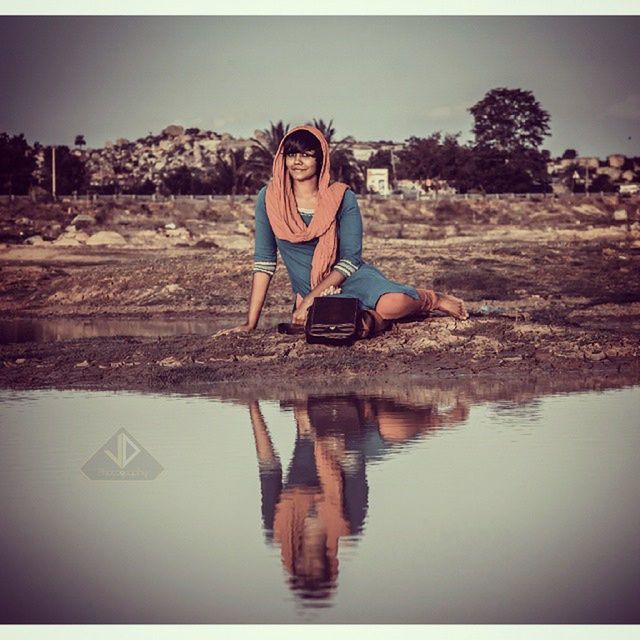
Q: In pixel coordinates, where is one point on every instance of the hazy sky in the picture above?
(378, 77)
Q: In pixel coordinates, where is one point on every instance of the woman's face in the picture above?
(302, 166)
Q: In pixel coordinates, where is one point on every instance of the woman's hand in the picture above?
(329, 291)
(300, 314)
(241, 328)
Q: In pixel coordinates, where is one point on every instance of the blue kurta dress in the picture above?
(363, 281)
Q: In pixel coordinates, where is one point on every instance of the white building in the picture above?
(378, 181)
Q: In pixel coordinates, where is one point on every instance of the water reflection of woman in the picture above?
(325, 495)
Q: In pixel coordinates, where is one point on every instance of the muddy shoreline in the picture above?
(551, 298)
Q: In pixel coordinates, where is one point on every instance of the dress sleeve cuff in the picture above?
(346, 267)
(264, 267)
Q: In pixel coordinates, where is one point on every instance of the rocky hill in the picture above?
(151, 158)
(147, 161)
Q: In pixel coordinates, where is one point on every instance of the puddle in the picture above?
(57, 329)
(419, 506)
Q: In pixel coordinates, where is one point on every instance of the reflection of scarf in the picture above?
(296, 503)
(286, 222)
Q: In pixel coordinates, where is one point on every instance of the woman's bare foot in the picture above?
(367, 326)
(372, 325)
(451, 306)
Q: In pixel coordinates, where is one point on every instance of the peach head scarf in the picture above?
(287, 223)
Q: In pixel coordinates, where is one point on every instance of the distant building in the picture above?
(588, 162)
(411, 188)
(362, 152)
(560, 188)
(611, 172)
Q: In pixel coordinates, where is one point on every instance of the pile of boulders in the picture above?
(73, 237)
(196, 233)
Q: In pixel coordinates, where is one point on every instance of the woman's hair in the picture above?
(303, 141)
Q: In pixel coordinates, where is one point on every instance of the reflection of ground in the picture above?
(568, 298)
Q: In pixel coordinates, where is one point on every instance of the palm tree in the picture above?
(327, 130)
(234, 172)
(344, 166)
(265, 145)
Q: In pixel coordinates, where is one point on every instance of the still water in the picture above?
(439, 507)
(57, 329)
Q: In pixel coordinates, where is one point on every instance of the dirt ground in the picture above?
(553, 290)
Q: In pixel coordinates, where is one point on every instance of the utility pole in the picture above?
(586, 183)
(393, 170)
(53, 171)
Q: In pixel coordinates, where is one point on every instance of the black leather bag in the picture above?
(333, 321)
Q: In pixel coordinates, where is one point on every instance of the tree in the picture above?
(234, 172)
(265, 146)
(509, 127)
(569, 154)
(179, 181)
(80, 141)
(144, 188)
(495, 171)
(381, 159)
(71, 172)
(454, 158)
(345, 168)
(420, 159)
(434, 157)
(509, 120)
(327, 130)
(17, 163)
(602, 183)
